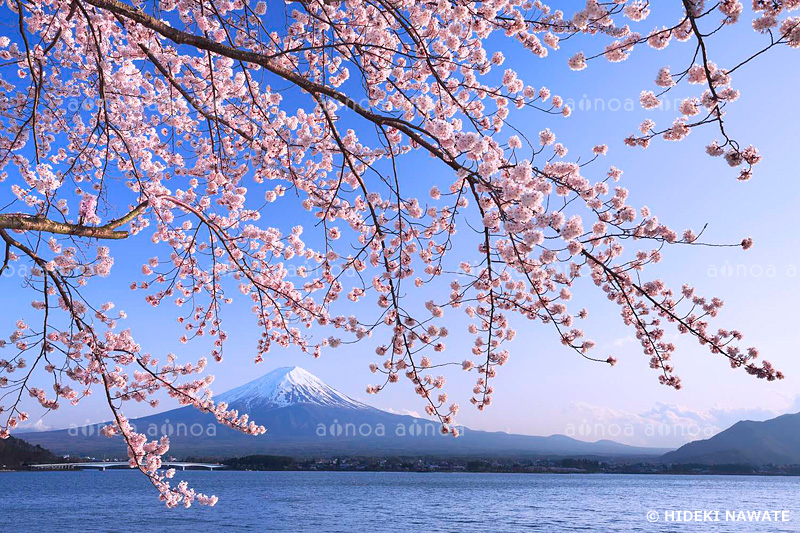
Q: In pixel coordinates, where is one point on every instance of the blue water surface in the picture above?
(391, 501)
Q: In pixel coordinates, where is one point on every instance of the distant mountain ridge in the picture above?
(775, 441)
(306, 417)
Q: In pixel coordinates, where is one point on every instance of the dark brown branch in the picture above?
(23, 222)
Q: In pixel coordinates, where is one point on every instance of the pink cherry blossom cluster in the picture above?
(146, 456)
(200, 124)
(696, 24)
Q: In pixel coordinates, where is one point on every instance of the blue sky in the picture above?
(545, 388)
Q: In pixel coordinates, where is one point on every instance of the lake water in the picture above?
(386, 501)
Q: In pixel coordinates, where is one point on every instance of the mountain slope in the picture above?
(287, 386)
(306, 417)
(775, 441)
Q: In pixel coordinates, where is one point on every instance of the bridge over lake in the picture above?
(103, 465)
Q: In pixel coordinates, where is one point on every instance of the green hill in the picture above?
(16, 453)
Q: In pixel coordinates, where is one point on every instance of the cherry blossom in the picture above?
(191, 127)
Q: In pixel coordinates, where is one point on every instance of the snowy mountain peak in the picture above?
(288, 386)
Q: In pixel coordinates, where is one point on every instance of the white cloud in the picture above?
(28, 427)
(664, 425)
(406, 412)
(622, 341)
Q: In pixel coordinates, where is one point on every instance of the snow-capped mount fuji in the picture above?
(284, 387)
(305, 417)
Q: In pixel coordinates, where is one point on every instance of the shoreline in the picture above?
(429, 472)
